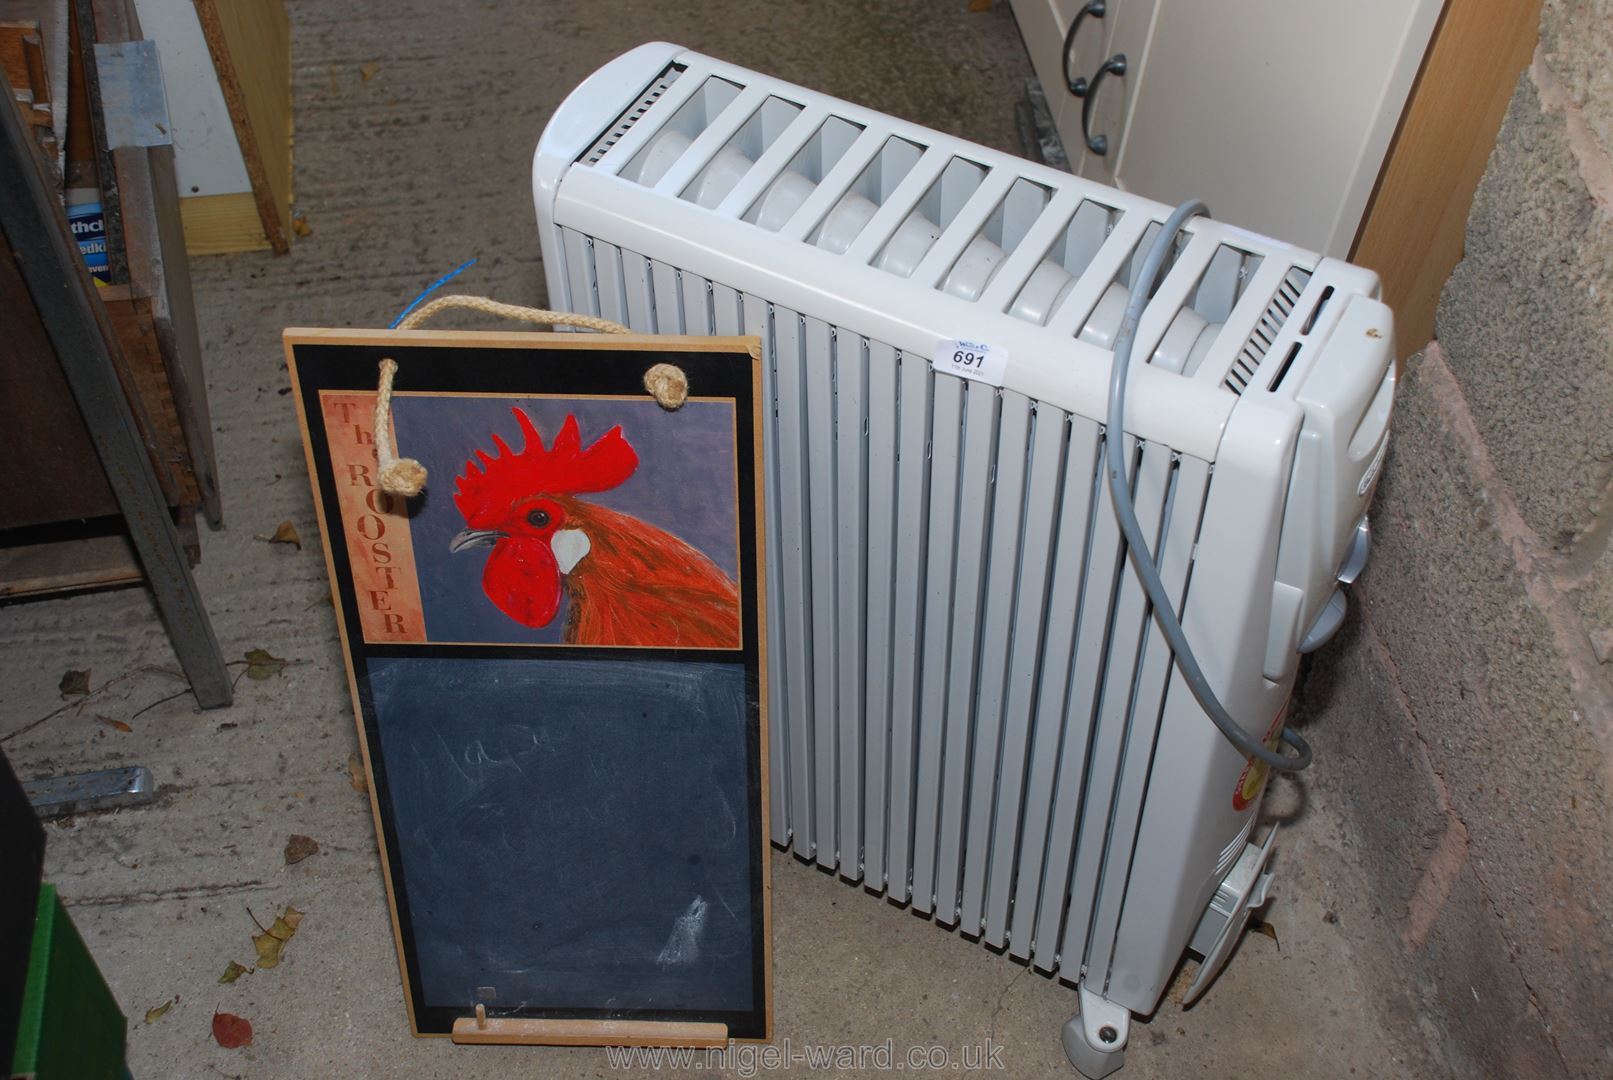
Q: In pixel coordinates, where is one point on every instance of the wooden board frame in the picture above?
(251, 45)
(1415, 224)
(617, 1029)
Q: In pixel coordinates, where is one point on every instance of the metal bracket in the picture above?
(1245, 888)
(132, 97)
(109, 789)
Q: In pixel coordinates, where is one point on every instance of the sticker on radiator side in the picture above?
(971, 360)
(1252, 781)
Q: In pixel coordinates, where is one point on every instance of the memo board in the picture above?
(557, 663)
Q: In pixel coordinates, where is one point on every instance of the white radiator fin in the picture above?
(964, 686)
(949, 223)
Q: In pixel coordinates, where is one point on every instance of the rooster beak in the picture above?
(470, 538)
(568, 548)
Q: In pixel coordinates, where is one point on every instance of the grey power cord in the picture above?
(1147, 569)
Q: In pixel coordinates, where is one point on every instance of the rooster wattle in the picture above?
(629, 582)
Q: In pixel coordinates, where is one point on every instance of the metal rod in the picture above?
(78, 793)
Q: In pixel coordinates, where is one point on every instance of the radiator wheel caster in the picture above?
(1095, 1038)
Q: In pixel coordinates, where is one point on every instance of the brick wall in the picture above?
(1467, 710)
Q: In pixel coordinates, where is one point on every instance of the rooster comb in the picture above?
(564, 468)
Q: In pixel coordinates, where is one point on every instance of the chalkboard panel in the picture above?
(570, 814)
(543, 764)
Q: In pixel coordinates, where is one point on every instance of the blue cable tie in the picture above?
(433, 287)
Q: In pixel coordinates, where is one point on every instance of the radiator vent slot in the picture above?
(979, 261)
(801, 177)
(1074, 248)
(1265, 333)
(680, 131)
(736, 158)
(919, 231)
(632, 115)
(1288, 362)
(874, 185)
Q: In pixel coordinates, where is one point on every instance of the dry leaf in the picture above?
(299, 847)
(74, 682)
(119, 725)
(268, 947)
(231, 1031)
(979, 5)
(270, 942)
(1183, 981)
(260, 664)
(233, 972)
(300, 226)
(368, 70)
(286, 533)
(355, 774)
(153, 1015)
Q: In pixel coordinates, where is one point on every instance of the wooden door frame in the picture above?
(1415, 224)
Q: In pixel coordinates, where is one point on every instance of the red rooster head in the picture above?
(520, 503)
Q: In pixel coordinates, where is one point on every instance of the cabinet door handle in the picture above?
(1095, 8)
(1115, 65)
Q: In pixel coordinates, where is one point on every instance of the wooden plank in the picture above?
(49, 470)
(147, 379)
(79, 152)
(67, 566)
(218, 224)
(251, 45)
(53, 18)
(499, 1031)
(1416, 222)
(22, 56)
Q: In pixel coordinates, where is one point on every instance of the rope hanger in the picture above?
(405, 476)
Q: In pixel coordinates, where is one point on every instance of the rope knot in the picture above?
(668, 385)
(404, 476)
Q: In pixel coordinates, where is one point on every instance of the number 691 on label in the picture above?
(975, 360)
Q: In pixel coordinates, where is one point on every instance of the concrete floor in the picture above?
(415, 123)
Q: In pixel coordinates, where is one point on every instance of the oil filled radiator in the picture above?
(972, 707)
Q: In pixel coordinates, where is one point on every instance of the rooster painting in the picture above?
(627, 582)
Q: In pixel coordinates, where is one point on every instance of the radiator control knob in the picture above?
(1356, 559)
(1327, 623)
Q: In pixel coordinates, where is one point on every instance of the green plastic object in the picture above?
(71, 1027)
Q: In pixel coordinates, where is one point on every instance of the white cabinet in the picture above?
(1045, 25)
(1277, 113)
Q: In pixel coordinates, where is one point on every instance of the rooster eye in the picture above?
(538, 519)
